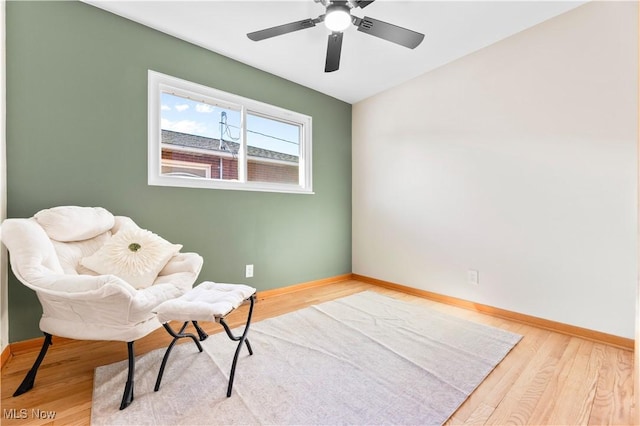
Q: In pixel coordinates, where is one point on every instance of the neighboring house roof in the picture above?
(170, 137)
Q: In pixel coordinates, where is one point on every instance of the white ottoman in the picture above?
(207, 301)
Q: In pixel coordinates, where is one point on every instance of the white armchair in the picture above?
(48, 254)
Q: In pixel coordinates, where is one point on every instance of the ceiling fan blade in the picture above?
(334, 47)
(363, 3)
(390, 32)
(282, 29)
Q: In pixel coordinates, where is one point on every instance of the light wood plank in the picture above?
(614, 393)
(546, 404)
(516, 406)
(579, 388)
(480, 415)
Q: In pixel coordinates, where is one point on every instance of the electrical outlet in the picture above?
(473, 277)
(248, 271)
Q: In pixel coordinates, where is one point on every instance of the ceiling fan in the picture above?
(337, 19)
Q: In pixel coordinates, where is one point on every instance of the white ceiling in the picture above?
(369, 65)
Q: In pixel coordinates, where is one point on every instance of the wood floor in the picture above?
(547, 379)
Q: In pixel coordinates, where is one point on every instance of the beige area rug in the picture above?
(363, 359)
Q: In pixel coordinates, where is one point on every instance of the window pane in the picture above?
(273, 149)
(199, 139)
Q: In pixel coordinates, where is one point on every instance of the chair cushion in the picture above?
(133, 254)
(70, 253)
(73, 223)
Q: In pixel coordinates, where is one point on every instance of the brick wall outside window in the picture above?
(257, 171)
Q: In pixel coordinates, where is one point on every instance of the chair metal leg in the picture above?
(127, 396)
(28, 382)
(30, 378)
(240, 340)
(179, 335)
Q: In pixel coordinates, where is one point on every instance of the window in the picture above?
(201, 137)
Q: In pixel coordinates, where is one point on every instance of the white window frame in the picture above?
(159, 83)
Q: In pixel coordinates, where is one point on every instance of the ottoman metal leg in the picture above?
(201, 333)
(179, 335)
(240, 340)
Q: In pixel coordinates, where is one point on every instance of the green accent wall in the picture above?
(77, 135)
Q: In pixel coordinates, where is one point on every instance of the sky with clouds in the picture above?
(197, 118)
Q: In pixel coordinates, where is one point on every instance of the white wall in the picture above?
(4, 309)
(518, 161)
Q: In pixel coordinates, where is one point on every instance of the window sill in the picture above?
(188, 182)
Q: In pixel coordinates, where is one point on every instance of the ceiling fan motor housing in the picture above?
(338, 16)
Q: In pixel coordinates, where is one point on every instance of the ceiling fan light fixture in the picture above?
(338, 17)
